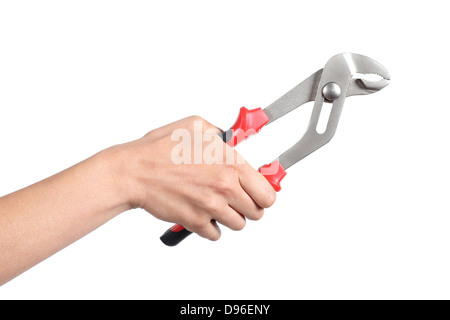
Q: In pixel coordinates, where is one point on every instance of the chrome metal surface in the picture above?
(331, 91)
(347, 71)
(299, 95)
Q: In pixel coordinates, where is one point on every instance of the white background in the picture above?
(365, 217)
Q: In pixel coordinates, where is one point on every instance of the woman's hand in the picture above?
(212, 183)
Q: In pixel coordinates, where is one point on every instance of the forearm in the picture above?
(40, 220)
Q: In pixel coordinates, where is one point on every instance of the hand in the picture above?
(213, 183)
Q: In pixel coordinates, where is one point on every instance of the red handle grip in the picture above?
(274, 173)
(247, 123)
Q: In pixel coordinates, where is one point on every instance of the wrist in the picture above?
(115, 162)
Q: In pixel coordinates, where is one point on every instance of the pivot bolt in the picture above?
(331, 91)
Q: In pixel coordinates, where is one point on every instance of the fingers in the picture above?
(243, 204)
(242, 193)
(208, 229)
(204, 224)
(256, 186)
(231, 218)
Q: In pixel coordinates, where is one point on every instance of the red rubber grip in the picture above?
(274, 173)
(248, 122)
(176, 228)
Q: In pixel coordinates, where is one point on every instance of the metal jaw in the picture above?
(344, 75)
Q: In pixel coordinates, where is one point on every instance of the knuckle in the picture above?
(208, 204)
(195, 118)
(223, 184)
(258, 214)
(214, 237)
(233, 168)
(229, 169)
(269, 199)
(211, 231)
(191, 123)
(197, 224)
(240, 225)
(212, 205)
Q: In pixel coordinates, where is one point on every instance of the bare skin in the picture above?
(40, 220)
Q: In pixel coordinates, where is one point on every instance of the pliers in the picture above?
(344, 75)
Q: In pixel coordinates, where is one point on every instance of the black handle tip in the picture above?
(171, 238)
